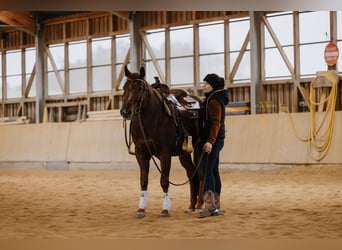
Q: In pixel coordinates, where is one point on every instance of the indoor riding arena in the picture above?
(66, 171)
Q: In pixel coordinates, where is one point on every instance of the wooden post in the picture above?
(167, 57)
(197, 79)
(226, 52)
(296, 55)
(255, 42)
(135, 51)
(3, 87)
(40, 97)
(333, 33)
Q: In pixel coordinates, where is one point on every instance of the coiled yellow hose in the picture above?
(320, 133)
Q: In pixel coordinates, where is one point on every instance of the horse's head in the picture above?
(134, 89)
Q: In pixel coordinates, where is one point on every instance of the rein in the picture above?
(128, 141)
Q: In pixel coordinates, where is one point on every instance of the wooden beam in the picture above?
(262, 57)
(55, 69)
(196, 53)
(239, 58)
(113, 71)
(226, 51)
(279, 47)
(135, 43)
(296, 56)
(40, 69)
(66, 70)
(154, 60)
(89, 71)
(3, 85)
(19, 20)
(333, 26)
(30, 81)
(167, 57)
(255, 41)
(333, 33)
(121, 14)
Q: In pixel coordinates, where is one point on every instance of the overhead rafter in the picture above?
(20, 20)
(122, 14)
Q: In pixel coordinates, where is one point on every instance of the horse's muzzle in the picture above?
(126, 113)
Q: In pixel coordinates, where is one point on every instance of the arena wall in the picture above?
(274, 139)
(265, 139)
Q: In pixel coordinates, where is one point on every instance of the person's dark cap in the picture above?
(215, 81)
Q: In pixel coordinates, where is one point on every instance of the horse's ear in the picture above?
(142, 72)
(127, 72)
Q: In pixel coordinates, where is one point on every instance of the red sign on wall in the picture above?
(331, 54)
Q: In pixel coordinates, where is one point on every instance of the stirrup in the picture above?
(187, 144)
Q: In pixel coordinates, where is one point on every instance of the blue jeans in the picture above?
(210, 168)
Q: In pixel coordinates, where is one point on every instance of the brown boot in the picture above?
(210, 200)
(209, 204)
(218, 210)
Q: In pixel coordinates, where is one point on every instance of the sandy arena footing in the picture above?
(293, 203)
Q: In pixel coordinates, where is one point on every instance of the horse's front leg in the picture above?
(165, 163)
(144, 165)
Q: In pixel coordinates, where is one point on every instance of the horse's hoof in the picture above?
(164, 214)
(140, 215)
(189, 210)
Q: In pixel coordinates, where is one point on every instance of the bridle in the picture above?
(136, 112)
(144, 92)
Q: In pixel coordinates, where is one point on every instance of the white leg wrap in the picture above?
(166, 201)
(143, 201)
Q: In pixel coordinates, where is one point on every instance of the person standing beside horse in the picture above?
(212, 134)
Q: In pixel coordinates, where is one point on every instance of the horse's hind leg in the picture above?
(165, 164)
(198, 154)
(186, 162)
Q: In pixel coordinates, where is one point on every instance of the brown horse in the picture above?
(156, 132)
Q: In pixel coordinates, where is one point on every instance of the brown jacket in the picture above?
(215, 113)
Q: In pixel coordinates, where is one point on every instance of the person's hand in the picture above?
(207, 147)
